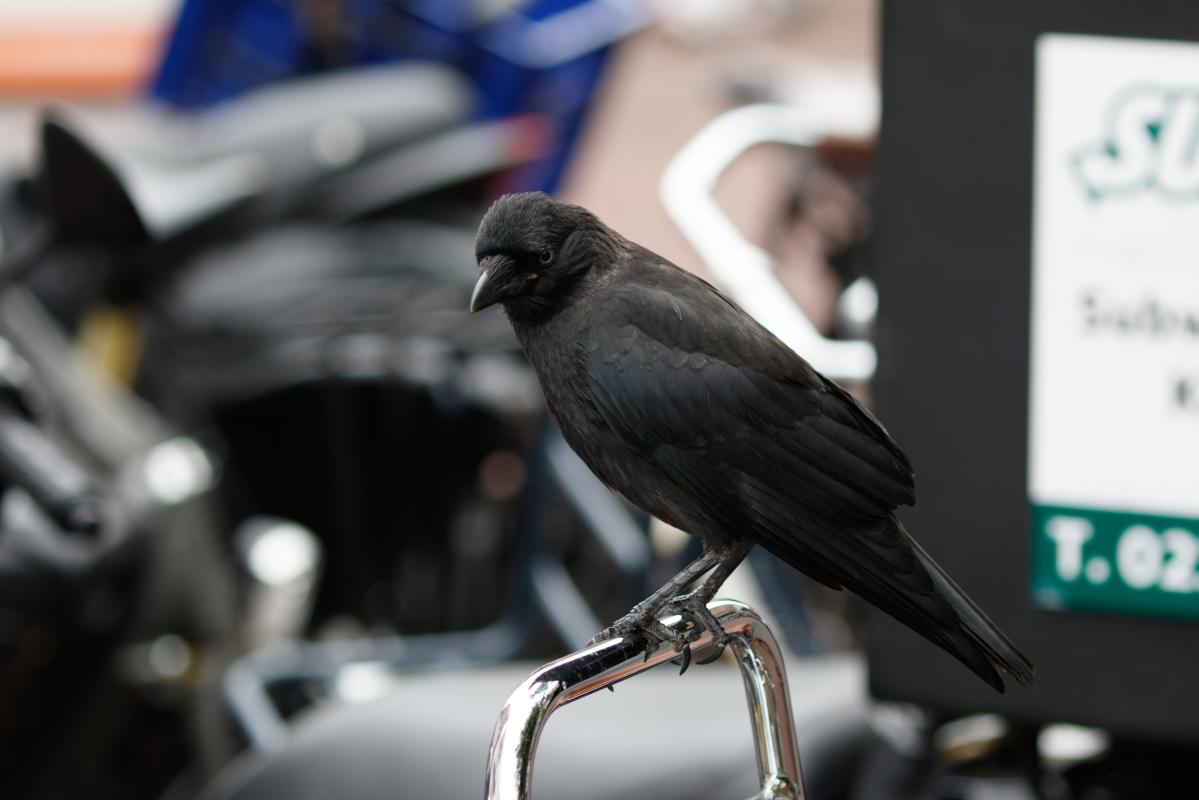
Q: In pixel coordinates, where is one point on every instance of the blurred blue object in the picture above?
(542, 57)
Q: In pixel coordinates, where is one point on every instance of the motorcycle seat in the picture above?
(168, 175)
(658, 736)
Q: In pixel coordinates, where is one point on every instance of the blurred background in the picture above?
(279, 518)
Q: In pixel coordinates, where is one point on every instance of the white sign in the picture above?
(1115, 304)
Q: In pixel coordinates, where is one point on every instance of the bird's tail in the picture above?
(883, 565)
(978, 634)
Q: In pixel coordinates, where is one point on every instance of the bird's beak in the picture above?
(488, 290)
(480, 298)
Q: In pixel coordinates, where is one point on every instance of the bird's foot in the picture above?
(648, 628)
(643, 622)
(651, 630)
(693, 606)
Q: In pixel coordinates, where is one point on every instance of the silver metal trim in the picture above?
(518, 729)
(741, 268)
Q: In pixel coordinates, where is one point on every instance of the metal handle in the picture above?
(514, 743)
(740, 267)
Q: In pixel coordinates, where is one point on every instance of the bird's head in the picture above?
(534, 254)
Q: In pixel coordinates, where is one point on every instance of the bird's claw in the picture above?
(630, 626)
(686, 657)
(649, 629)
(697, 615)
(692, 607)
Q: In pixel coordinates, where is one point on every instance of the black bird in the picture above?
(682, 403)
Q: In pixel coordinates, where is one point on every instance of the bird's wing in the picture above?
(686, 378)
(760, 441)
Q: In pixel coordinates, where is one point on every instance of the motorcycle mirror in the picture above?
(86, 199)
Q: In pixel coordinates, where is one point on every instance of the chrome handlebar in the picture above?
(514, 743)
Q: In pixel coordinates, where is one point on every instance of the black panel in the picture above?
(954, 272)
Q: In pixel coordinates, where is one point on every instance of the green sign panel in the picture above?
(1111, 561)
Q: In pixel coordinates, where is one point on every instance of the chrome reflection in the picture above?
(514, 743)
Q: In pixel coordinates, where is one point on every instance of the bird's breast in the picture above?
(555, 351)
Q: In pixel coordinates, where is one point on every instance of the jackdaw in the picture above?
(686, 406)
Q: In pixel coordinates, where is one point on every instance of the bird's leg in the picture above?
(644, 615)
(695, 604)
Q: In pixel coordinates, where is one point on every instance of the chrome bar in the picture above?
(514, 743)
(741, 268)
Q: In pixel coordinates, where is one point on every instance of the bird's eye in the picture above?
(547, 255)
